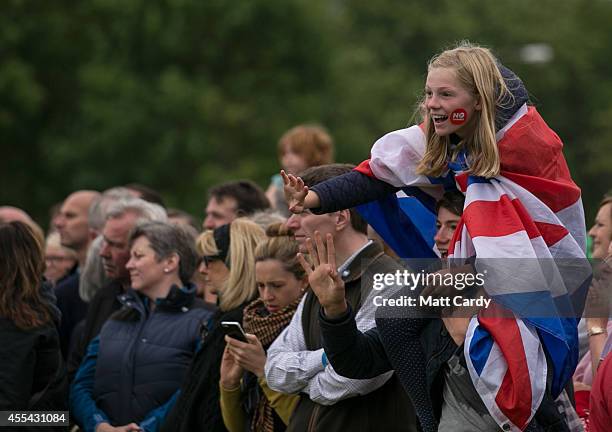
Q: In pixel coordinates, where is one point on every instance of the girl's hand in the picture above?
(250, 356)
(323, 277)
(231, 371)
(295, 192)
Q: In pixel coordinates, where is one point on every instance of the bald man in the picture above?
(72, 222)
(73, 227)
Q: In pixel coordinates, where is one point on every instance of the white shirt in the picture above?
(291, 368)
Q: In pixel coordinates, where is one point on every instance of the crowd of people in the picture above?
(133, 316)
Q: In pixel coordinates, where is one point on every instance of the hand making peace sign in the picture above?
(323, 275)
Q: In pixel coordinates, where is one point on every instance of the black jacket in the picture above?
(344, 343)
(73, 309)
(32, 374)
(198, 407)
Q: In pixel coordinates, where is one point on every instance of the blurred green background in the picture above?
(182, 94)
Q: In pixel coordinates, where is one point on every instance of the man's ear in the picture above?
(343, 219)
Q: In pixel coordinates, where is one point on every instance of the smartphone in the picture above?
(234, 330)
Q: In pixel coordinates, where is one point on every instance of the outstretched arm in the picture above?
(353, 354)
(338, 193)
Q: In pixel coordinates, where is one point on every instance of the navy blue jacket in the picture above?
(72, 307)
(133, 370)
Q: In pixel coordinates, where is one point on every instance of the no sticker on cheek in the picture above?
(458, 117)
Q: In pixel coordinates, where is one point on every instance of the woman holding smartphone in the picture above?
(247, 403)
(229, 266)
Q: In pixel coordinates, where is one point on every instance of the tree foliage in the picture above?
(181, 94)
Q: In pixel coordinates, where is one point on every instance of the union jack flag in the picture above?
(532, 212)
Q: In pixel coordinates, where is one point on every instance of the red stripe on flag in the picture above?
(462, 181)
(456, 236)
(551, 233)
(531, 147)
(364, 168)
(514, 395)
(531, 154)
(526, 220)
(498, 218)
(504, 217)
(556, 195)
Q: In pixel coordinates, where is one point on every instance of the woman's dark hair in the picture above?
(21, 269)
(167, 239)
(249, 197)
(452, 201)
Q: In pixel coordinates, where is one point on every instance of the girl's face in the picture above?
(446, 224)
(277, 287)
(292, 162)
(601, 232)
(450, 107)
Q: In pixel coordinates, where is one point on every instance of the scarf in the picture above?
(267, 327)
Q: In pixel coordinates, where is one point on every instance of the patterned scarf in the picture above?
(267, 327)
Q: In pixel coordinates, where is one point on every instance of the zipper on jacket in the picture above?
(439, 353)
(127, 386)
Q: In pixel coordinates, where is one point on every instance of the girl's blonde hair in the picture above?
(240, 286)
(476, 70)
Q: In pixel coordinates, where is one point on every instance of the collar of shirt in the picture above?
(350, 259)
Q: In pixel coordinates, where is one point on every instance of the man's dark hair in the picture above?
(146, 193)
(452, 201)
(178, 213)
(318, 174)
(249, 197)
